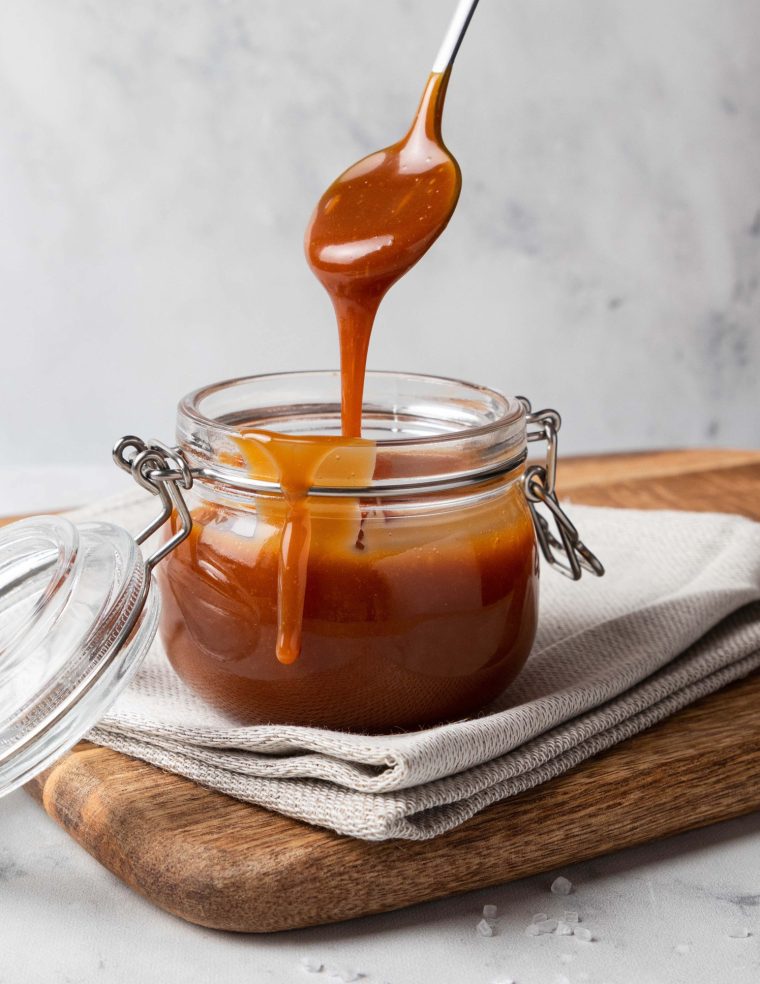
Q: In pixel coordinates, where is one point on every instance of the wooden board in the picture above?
(221, 863)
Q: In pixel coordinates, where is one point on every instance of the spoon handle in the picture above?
(459, 24)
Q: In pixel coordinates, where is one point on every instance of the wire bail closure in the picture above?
(161, 471)
(568, 554)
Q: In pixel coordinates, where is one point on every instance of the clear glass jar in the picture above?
(421, 583)
(367, 584)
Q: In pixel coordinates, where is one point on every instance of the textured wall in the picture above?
(159, 160)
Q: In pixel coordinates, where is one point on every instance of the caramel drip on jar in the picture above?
(295, 463)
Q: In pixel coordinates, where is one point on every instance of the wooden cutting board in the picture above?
(225, 864)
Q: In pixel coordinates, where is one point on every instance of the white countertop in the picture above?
(661, 914)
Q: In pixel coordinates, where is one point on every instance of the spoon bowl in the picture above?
(382, 215)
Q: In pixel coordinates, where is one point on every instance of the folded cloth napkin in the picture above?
(676, 617)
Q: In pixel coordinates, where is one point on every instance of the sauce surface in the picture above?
(372, 225)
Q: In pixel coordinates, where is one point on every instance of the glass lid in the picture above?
(76, 617)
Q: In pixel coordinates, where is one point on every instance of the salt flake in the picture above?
(546, 926)
(489, 911)
(563, 929)
(584, 934)
(539, 917)
(571, 916)
(485, 928)
(739, 933)
(561, 886)
(311, 965)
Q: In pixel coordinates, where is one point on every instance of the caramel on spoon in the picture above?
(380, 217)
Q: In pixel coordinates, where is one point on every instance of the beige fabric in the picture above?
(676, 617)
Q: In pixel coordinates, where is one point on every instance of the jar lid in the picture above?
(76, 617)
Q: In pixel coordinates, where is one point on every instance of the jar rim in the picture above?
(414, 419)
(513, 409)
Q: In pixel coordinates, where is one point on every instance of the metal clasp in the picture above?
(568, 554)
(161, 470)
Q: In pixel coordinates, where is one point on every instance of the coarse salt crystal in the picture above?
(563, 929)
(546, 926)
(311, 965)
(561, 886)
(539, 917)
(485, 928)
(571, 916)
(739, 933)
(532, 930)
(584, 934)
(489, 911)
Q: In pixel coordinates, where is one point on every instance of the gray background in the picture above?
(159, 161)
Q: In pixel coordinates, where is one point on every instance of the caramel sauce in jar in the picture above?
(410, 610)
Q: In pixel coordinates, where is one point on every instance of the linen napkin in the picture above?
(676, 617)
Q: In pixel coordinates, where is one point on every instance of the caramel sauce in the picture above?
(373, 224)
(426, 618)
(380, 618)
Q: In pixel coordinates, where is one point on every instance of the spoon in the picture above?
(380, 217)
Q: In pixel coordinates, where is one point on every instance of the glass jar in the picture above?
(421, 585)
(400, 568)
(403, 565)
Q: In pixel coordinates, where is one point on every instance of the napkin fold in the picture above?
(676, 617)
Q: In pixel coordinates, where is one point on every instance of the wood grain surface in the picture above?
(221, 863)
